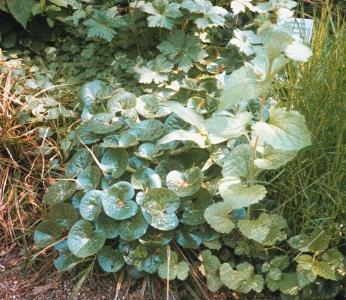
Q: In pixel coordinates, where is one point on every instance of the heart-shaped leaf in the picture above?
(91, 205)
(122, 189)
(79, 161)
(121, 100)
(159, 206)
(185, 183)
(134, 228)
(148, 151)
(47, 233)
(218, 217)
(238, 195)
(116, 207)
(59, 192)
(174, 268)
(90, 92)
(148, 130)
(89, 178)
(103, 123)
(110, 260)
(114, 161)
(194, 207)
(64, 214)
(286, 130)
(147, 257)
(150, 106)
(83, 240)
(107, 225)
(145, 178)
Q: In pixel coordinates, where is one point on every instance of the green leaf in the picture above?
(91, 205)
(89, 178)
(147, 257)
(148, 130)
(91, 91)
(239, 195)
(159, 206)
(66, 261)
(212, 15)
(286, 130)
(189, 115)
(162, 13)
(271, 159)
(182, 135)
(110, 260)
(156, 71)
(46, 233)
(120, 101)
(151, 106)
(114, 161)
(116, 207)
(241, 85)
(194, 207)
(79, 161)
(239, 162)
(103, 123)
(185, 183)
(224, 127)
(218, 216)
(287, 284)
(134, 228)
(242, 279)
(20, 10)
(210, 268)
(266, 230)
(107, 225)
(122, 189)
(175, 268)
(83, 240)
(59, 192)
(318, 241)
(189, 237)
(145, 178)
(148, 151)
(183, 50)
(64, 214)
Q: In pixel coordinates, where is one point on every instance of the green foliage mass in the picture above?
(171, 139)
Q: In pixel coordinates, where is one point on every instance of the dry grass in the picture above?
(24, 170)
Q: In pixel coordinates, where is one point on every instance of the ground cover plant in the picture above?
(167, 140)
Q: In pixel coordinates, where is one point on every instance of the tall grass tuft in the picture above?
(24, 169)
(311, 190)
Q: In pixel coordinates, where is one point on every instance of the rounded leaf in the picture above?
(122, 189)
(148, 130)
(194, 207)
(218, 217)
(47, 233)
(150, 106)
(114, 161)
(91, 91)
(91, 205)
(78, 162)
(134, 228)
(116, 207)
(185, 183)
(64, 214)
(83, 240)
(59, 192)
(109, 226)
(145, 178)
(89, 178)
(159, 206)
(110, 260)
